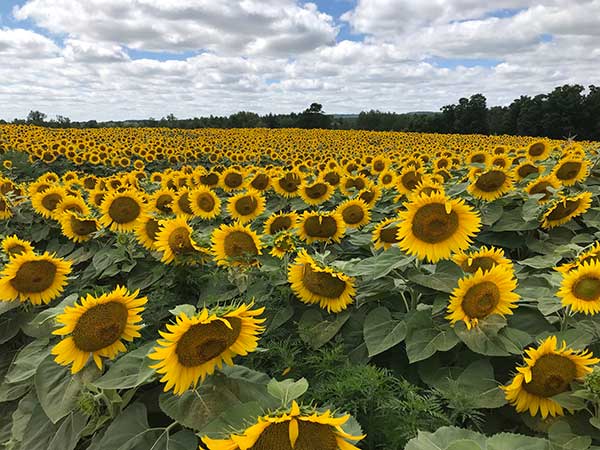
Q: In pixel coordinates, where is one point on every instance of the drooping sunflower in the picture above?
(122, 210)
(541, 185)
(571, 170)
(433, 226)
(96, 327)
(482, 294)
(146, 231)
(14, 246)
(299, 428)
(580, 288)
(324, 227)
(490, 184)
(246, 206)
(280, 222)
(193, 347)
(261, 181)
(484, 259)
(205, 203)
(37, 278)
(354, 213)
(182, 206)
(283, 244)
(235, 245)
(315, 193)
(385, 233)
(565, 208)
(46, 202)
(76, 227)
(5, 211)
(548, 371)
(313, 284)
(163, 200)
(174, 239)
(370, 195)
(538, 151)
(525, 169)
(589, 255)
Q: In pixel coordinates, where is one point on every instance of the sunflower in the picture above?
(283, 244)
(571, 170)
(482, 294)
(288, 184)
(590, 255)
(354, 213)
(484, 259)
(182, 206)
(232, 180)
(260, 182)
(427, 186)
(299, 428)
(315, 193)
(194, 346)
(246, 206)
(434, 226)
(385, 233)
(490, 184)
(235, 245)
(5, 211)
(478, 157)
(580, 288)
(408, 179)
(37, 278)
(541, 185)
(174, 239)
(324, 227)
(96, 327)
(14, 246)
(205, 203)
(370, 195)
(77, 227)
(280, 222)
(387, 179)
(47, 201)
(525, 169)
(163, 200)
(71, 204)
(565, 208)
(549, 370)
(314, 284)
(122, 210)
(538, 151)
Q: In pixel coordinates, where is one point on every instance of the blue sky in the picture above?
(106, 59)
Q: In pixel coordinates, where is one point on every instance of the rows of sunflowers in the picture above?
(297, 289)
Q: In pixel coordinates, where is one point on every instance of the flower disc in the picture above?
(580, 288)
(235, 245)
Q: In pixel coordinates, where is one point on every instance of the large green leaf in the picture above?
(129, 371)
(316, 331)
(484, 338)
(287, 390)
(424, 341)
(444, 279)
(27, 361)
(382, 332)
(56, 388)
(68, 434)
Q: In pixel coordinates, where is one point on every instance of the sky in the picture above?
(134, 59)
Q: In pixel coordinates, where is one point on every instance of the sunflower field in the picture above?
(259, 289)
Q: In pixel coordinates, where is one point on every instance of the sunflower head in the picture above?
(434, 226)
(193, 347)
(565, 208)
(174, 239)
(324, 227)
(96, 327)
(280, 222)
(235, 245)
(571, 170)
(246, 206)
(482, 294)
(205, 203)
(547, 371)
(490, 184)
(76, 227)
(13, 246)
(354, 213)
(580, 288)
(37, 278)
(122, 210)
(296, 427)
(484, 259)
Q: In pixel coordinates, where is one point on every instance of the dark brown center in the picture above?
(246, 205)
(316, 191)
(51, 201)
(34, 276)
(587, 288)
(563, 209)
(279, 224)
(551, 375)
(320, 226)
(311, 436)
(83, 227)
(238, 244)
(322, 283)
(100, 326)
(491, 181)
(481, 299)
(203, 342)
(568, 170)
(233, 180)
(353, 214)
(184, 203)
(432, 224)
(124, 210)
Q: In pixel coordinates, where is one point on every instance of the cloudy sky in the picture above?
(119, 59)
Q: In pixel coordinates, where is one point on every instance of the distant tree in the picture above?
(36, 117)
(245, 119)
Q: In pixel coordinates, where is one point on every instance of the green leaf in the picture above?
(443, 438)
(22, 416)
(129, 371)
(68, 434)
(380, 265)
(509, 441)
(464, 444)
(483, 338)
(569, 401)
(129, 431)
(10, 324)
(39, 432)
(382, 332)
(560, 434)
(56, 388)
(8, 306)
(189, 310)
(422, 343)
(29, 358)
(445, 278)
(234, 418)
(541, 261)
(287, 390)
(281, 316)
(43, 323)
(316, 331)
(491, 213)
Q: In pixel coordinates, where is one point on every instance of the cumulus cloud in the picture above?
(197, 57)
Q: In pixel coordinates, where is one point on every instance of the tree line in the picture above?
(567, 111)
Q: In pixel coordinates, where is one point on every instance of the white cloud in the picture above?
(280, 55)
